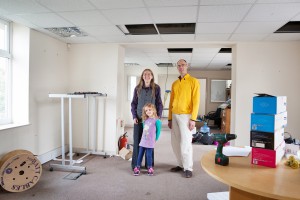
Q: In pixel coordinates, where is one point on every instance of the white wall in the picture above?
(271, 68)
(47, 72)
(96, 68)
(210, 75)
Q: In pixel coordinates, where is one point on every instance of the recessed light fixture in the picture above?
(67, 31)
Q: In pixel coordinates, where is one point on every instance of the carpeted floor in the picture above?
(111, 179)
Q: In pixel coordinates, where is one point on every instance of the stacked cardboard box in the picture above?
(268, 120)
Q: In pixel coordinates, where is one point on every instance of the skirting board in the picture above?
(57, 152)
(84, 150)
(51, 155)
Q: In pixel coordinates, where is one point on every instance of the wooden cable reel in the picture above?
(20, 170)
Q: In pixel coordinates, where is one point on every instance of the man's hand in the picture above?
(135, 121)
(192, 125)
(170, 124)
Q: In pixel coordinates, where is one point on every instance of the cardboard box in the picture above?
(266, 140)
(267, 157)
(199, 124)
(268, 123)
(292, 148)
(126, 154)
(269, 104)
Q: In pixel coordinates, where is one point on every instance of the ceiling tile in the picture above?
(166, 3)
(212, 37)
(178, 37)
(258, 27)
(102, 30)
(21, 7)
(144, 38)
(113, 38)
(156, 50)
(46, 20)
(247, 37)
(113, 4)
(128, 16)
(206, 50)
(283, 37)
(66, 5)
(85, 18)
(226, 27)
(227, 2)
(273, 12)
(232, 13)
(174, 14)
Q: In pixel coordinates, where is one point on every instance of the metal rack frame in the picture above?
(70, 166)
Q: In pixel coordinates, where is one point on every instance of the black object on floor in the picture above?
(73, 176)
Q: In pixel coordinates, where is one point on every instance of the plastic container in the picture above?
(205, 129)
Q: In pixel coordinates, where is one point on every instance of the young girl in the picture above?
(151, 133)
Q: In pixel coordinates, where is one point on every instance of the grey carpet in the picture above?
(112, 179)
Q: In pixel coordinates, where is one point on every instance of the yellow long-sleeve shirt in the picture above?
(185, 97)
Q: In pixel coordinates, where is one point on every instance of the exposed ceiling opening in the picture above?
(178, 28)
(180, 50)
(225, 50)
(141, 29)
(290, 27)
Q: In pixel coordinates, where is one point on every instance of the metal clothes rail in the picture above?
(70, 166)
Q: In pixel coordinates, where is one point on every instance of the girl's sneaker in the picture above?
(150, 171)
(136, 171)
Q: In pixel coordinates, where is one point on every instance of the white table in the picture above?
(70, 166)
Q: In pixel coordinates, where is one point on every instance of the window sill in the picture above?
(15, 125)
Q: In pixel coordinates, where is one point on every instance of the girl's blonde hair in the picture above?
(141, 83)
(149, 105)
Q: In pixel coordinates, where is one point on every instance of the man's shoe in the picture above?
(188, 174)
(176, 169)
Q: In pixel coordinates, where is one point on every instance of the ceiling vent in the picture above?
(180, 28)
(138, 29)
(67, 31)
(165, 65)
(290, 27)
(180, 50)
(225, 50)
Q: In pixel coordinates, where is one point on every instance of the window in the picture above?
(5, 74)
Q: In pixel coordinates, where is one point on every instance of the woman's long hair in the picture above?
(149, 105)
(142, 83)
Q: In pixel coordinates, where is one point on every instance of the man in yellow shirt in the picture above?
(183, 111)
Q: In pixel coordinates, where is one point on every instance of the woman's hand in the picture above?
(135, 121)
